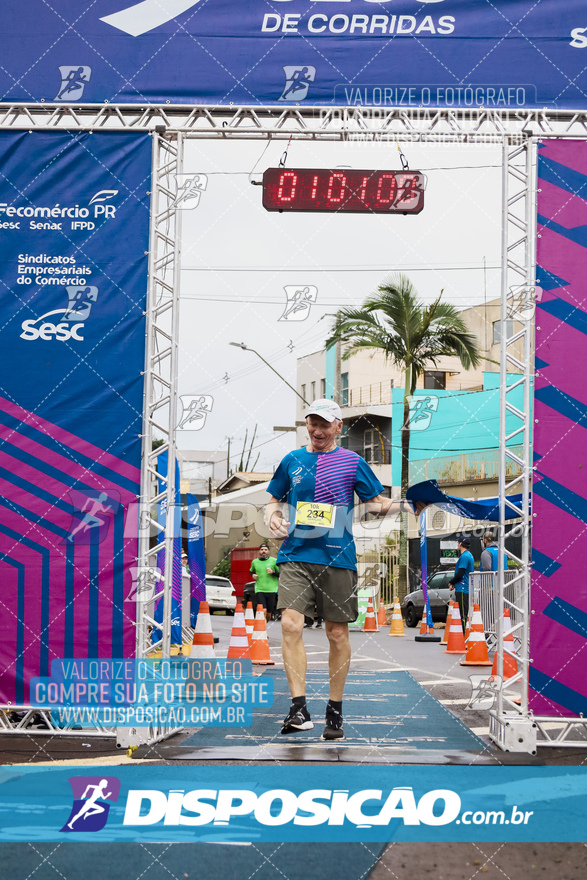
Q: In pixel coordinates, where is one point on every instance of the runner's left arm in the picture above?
(381, 505)
(370, 491)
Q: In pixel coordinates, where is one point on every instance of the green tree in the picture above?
(412, 336)
(222, 567)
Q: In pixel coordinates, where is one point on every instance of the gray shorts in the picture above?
(332, 591)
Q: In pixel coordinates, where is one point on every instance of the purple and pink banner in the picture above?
(558, 631)
(74, 209)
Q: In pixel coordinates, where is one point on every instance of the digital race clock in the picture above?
(350, 190)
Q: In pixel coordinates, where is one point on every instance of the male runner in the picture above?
(311, 506)
(265, 573)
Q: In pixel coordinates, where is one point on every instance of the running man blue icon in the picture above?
(421, 411)
(80, 302)
(90, 807)
(73, 82)
(297, 82)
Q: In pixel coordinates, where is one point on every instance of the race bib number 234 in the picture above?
(310, 513)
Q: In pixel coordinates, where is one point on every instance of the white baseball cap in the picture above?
(326, 409)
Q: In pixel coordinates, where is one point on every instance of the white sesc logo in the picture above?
(69, 327)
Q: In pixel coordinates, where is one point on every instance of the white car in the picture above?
(220, 594)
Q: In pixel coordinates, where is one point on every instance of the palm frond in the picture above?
(395, 321)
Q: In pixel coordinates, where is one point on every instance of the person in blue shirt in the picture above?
(490, 553)
(460, 580)
(311, 506)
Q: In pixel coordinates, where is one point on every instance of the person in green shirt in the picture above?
(265, 571)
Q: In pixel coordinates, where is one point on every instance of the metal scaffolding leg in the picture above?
(511, 726)
(160, 412)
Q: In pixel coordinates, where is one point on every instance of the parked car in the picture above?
(220, 594)
(439, 595)
(249, 593)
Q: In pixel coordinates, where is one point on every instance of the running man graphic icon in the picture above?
(90, 806)
(80, 302)
(145, 580)
(421, 411)
(73, 82)
(195, 409)
(189, 190)
(299, 302)
(92, 512)
(297, 82)
(484, 690)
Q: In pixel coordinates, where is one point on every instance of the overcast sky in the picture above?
(237, 258)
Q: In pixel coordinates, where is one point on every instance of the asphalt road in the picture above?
(439, 673)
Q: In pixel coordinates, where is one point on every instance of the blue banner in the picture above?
(424, 568)
(176, 578)
(74, 240)
(196, 557)
(208, 804)
(422, 54)
(487, 509)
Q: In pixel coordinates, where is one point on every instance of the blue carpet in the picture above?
(380, 709)
(129, 861)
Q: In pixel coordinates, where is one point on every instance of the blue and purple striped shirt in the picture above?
(327, 478)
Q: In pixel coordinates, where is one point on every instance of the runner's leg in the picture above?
(294, 653)
(339, 657)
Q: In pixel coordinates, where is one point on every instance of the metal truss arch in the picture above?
(413, 123)
(511, 726)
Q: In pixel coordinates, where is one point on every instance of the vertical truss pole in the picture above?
(160, 395)
(528, 353)
(510, 725)
(171, 519)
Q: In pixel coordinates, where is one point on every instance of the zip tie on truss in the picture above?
(283, 159)
(403, 160)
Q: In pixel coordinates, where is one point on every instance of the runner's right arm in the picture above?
(278, 526)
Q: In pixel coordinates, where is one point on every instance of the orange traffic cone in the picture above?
(203, 643)
(468, 625)
(447, 624)
(397, 624)
(456, 640)
(370, 624)
(381, 615)
(476, 645)
(510, 664)
(259, 644)
(250, 621)
(425, 630)
(239, 642)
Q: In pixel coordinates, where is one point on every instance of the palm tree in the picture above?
(412, 336)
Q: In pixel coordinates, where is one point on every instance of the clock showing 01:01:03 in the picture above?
(348, 190)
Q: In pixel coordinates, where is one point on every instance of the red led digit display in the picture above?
(350, 190)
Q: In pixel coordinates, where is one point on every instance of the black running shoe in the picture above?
(297, 719)
(333, 728)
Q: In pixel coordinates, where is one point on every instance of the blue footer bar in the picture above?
(218, 805)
